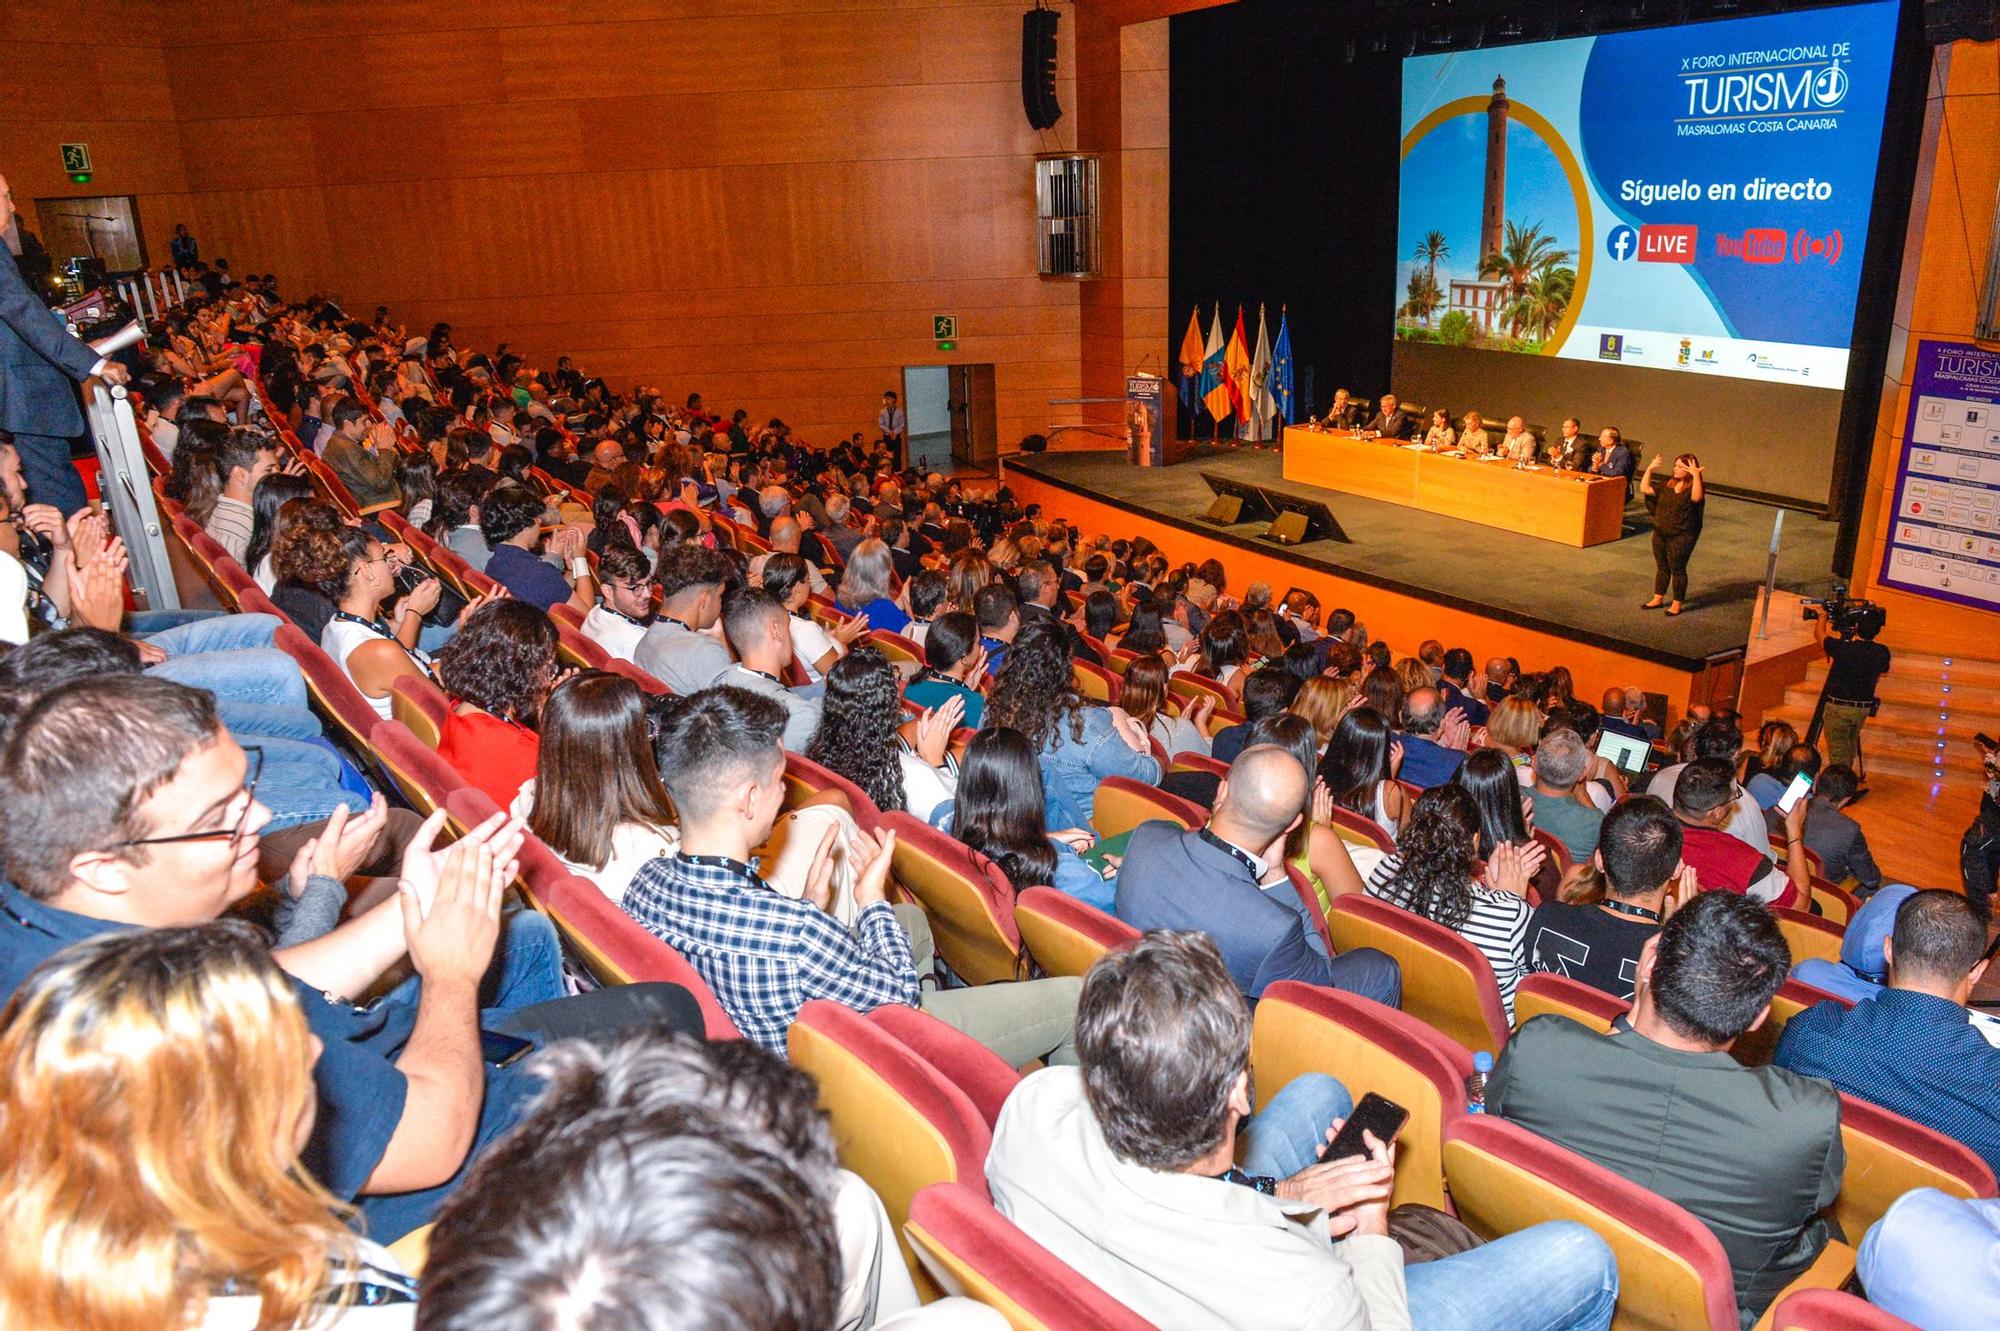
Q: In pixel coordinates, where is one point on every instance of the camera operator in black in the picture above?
(1979, 849)
(1859, 662)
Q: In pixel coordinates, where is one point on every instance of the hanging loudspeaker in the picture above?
(1038, 67)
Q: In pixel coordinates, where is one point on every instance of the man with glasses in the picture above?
(1705, 796)
(129, 807)
(625, 607)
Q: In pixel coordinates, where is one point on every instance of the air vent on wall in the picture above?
(1066, 214)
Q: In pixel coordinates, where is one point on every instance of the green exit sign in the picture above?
(944, 327)
(76, 159)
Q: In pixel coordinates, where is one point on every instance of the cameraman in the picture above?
(1859, 662)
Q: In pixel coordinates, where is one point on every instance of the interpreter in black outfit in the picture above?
(1676, 510)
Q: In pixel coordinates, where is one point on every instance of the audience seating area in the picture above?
(913, 1103)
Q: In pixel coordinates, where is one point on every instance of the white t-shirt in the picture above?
(13, 600)
(811, 642)
(613, 632)
(379, 1268)
(925, 787)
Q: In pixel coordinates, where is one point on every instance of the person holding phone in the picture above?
(1125, 1169)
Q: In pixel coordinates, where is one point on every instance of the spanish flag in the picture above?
(1236, 370)
(1191, 358)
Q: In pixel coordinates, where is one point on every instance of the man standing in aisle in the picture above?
(894, 424)
(1856, 665)
(36, 355)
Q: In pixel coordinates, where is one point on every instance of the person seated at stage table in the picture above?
(1473, 437)
(1440, 435)
(1390, 420)
(1613, 457)
(1519, 444)
(1344, 414)
(1572, 451)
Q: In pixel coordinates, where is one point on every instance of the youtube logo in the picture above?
(1666, 244)
(1757, 244)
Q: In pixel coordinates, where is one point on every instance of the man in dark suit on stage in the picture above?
(37, 358)
(1572, 450)
(1391, 421)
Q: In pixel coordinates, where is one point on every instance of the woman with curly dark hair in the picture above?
(497, 672)
(1435, 873)
(1078, 745)
(859, 737)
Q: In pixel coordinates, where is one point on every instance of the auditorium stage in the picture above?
(1589, 596)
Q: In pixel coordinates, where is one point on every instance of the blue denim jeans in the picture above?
(300, 782)
(526, 969)
(1287, 1133)
(1556, 1276)
(145, 623)
(267, 718)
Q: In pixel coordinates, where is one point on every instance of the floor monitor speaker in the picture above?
(1225, 511)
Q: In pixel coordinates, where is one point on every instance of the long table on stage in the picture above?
(1572, 507)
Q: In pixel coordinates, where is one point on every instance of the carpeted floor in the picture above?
(1591, 594)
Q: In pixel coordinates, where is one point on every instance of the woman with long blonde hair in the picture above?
(155, 1093)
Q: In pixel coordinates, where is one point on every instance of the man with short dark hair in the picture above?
(1856, 664)
(1428, 760)
(362, 453)
(1638, 855)
(1704, 800)
(1753, 1152)
(760, 634)
(999, 614)
(511, 522)
(1721, 740)
(766, 954)
(624, 611)
(682, 649)
(1455, 682)
(1910, 1048)
(1834, 836)
(1125, 1169)
(244, 459)
(1041, 598)
(1267, 691)
(1214, 880)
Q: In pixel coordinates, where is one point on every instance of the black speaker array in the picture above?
(1038, 67)
(1961, 20)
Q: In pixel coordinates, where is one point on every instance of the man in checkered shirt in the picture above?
(766, 954)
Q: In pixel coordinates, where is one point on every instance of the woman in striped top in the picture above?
(1434, 873)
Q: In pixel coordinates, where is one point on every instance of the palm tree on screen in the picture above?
(1523, 256)
(1541, 307)
(1431, 251)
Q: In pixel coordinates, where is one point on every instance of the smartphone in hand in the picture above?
(1375, 1114)
(1801, 787)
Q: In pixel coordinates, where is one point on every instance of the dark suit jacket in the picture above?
(1576, 455)
(1077, 646)
(38, 358)
(1346, 418)
(1754, 1153)
(1398, 426)
(1177, 880)
(1228, 742)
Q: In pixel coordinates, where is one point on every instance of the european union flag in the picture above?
(1281, 368)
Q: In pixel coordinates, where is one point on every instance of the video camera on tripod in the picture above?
(1846, 615)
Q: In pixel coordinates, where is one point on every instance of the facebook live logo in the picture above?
(1652, 243)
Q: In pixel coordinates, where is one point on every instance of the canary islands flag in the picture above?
(1236, 370)
(1214, 387)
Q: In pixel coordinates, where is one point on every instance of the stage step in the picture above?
(1925, 700)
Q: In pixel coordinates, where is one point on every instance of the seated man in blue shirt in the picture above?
(130, 807)
(511, 522)
(1213, 881)
(1934, 1261)
(1912, 1048)
(1433, 739)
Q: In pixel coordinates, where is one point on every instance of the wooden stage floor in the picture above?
(1586, 595)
